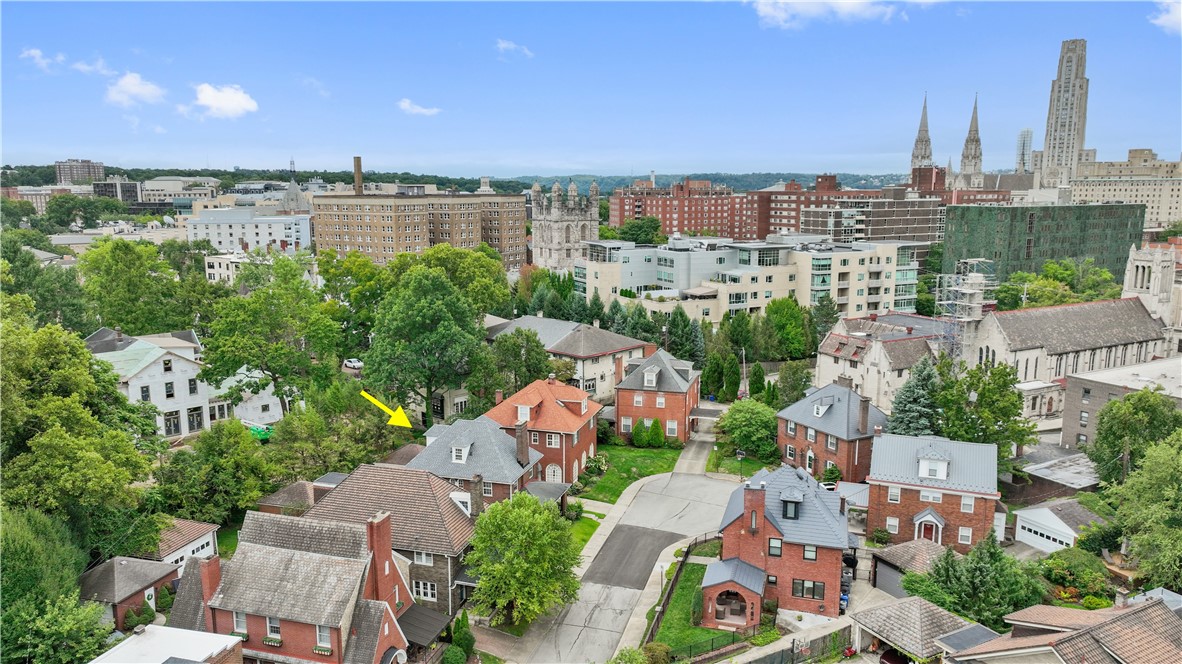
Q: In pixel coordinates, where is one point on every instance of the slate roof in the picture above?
(423, 517)
(965, 637)
(896, 459)
(820, 521)
(906, 353)
(562, 337)
(188, 609)
(404, 454)
(296, 493)
(1068, 328)
(1069, 511)
(549, 414)
(914, 556)
(341, 540)
(120, 577)
(366, 631)
(911, 624)
(180, 533)
(492, 453)
(840, 415)
(674, 375)
(732, 569)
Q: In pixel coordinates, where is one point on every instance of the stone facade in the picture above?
(1066, 118)
(561, 223)
(1152, 275)
(443, 572)
(1143, 178)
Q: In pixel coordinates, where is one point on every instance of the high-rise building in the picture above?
(921, 154)
(1067, 116)
(899, 214)
(79, 171)
(119, 187)
(1022, 163)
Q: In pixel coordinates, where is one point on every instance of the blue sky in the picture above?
(521, 88)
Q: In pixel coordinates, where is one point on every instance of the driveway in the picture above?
(626, 559)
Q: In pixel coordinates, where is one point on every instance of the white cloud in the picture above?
(159, 130)
(131, 89)
(227, 101)
(793, 15)
(97, 67)
(411, 108)
(315, 86)
(42, 61)
(506, 46)
(1168, 17)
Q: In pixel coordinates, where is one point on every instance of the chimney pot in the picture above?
(877, 430)
(595, 322)
(762, 485)
(550, 378)
(500, 396)
(118, 333)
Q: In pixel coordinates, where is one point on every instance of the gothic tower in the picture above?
(970, 157)
(1067, 116)
(572, 194)
(921, 154)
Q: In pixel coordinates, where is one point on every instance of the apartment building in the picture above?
(118, 187)
(225, 267)
(39, 196)
(690, 206)
(899, 214)
(178, 190)
(244, 229)
(712, 276)
(79, 171)
(1086, 393)
(786, 202)
(1142, 178)
(382, 225)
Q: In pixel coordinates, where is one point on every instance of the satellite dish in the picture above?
(169, 220)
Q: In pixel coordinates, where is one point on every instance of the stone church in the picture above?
(561, 223)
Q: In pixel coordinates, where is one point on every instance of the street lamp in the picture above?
(740, 455)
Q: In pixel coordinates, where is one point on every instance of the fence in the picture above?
(709, 645)
(668, 594)
(801, 652)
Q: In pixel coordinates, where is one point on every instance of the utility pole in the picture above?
(1124, 473)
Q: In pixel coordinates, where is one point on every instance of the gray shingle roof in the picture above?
(965, 637)
(820, 521)
(342, 540)
(590, 341)
(492, 453)
(297, 494)
(1172, 599)
(732, 569)
(673, 375)
(1073, 327)
(366, 630)
(911, 624)
(926, 513)
(550, 330)
(188, 609)
(906, 353)
(973, 466)
(840, 412)
(120, 577)
(1070, 512)
(914, 555)
(423, 516)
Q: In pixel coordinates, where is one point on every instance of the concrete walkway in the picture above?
(697, 451)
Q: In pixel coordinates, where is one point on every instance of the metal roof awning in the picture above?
(549, 491)
(422, 625)
(707, 413)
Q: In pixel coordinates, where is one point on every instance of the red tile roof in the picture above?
(546, 411)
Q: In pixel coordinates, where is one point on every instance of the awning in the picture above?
(463, 578)
(551, 491)
(929, 514)
(422, 625)
(707, 413)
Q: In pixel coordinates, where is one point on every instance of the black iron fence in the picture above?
(668, 594)
(709, 645)
(798, 651)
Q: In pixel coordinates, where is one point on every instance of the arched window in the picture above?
(553, 473)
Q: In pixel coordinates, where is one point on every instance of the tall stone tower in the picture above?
(1022, 159)
(921, 154)
(1067, 116)
(561, 223)
(970, 157)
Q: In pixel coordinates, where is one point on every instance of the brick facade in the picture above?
(852, 457)
(136, 601)
(677, 407)
(980, 520)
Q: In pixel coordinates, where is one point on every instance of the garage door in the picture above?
(1030, 533)
(889, 580)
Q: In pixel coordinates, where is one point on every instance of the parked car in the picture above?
(354, 363)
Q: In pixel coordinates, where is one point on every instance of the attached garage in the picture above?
(1052, 525)
(890, 564)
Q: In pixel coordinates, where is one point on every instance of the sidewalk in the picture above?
(496, 642)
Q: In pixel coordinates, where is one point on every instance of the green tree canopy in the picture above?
(474, 273)
(1059, 282)
(824, 316)
(791, 324)
(521, 358)
(1133, 422)
(642, 230)
(1151, 512)
(751, 426)
(914, 412)
(523, 557)
(981, 405)
(129, 286)
(732, 376)
(794, 380)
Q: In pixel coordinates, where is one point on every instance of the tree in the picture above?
(771, 395)
(1132, 423)
(187, 257)
(629, 656)
(521, 358)
(426, 331)
(766, 340)
(354, 286)
(13, 212)
(656, 433)
(755, 379)
(278, 334)
(794, 380)
(1059, 282)
(642, 230)
(681, 335)
(913, 412)
(41, 559)
(981, 405)
(697, 345)
(605, 211)
(476, 274)
(831, 474)
(563, 369)
(555, 306)
(615, 312)
(711, 380)
(129, 286)
(933, 263)
(751, 426)
(595, 310)
(732, 376)
(790, 323)
(608, 232)
(523, 557)
(824, 316)
(739, 331)
(576, 308)
(60, 299)
(55, 630)
(1151, 512)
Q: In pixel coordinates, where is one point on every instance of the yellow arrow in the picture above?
(397, 417)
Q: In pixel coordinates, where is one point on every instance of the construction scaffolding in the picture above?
(962, 300)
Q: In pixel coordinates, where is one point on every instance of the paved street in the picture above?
(627, 559)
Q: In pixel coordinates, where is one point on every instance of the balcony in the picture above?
(843, 299)
(874, 283)
(843, 284)
(874, 298)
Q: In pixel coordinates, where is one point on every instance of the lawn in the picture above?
(583, 529)
(227, 542)
(677, 629)
(488, 658)
(710, 549)
(727, 463)
(625, 466)
(516, 629)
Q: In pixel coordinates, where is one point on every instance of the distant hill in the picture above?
(737, 181)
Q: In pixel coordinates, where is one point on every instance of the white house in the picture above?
(1053, 525)
(186, 538)
(244, 229)
(162, 369)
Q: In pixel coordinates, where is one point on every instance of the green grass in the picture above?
(677, 628)
(583, 529)
(711, 549)
(721, 461)
(621, 462)
(488, 658)
(227, 542)
(595, 514)
(516, 629)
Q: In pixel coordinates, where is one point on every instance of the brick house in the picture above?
(831, 426)
(122, 584)
(157, 643)
(435, 521)
(934, 488)
(305, 591)
(560, 422)
(479, 452)
(659, 387)
(782, 539)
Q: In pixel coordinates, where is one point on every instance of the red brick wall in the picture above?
(711, 593)
(566, 453)
(980, 520)
(676, 408)
(136, 601)
(298, 638)
(852, 457)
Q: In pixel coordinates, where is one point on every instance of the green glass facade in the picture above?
(1021, 238)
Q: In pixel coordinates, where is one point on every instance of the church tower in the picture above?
(1068, 116)
(572, 194)
(970, 158)
(921, 154)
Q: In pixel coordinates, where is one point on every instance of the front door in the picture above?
(928, 531)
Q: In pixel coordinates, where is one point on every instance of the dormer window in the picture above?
(791, 510)
(650, 377)
(936, 469)
(523, 413)
(459, 454)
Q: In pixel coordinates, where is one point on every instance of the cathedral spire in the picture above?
(921, 154)
(970, 157)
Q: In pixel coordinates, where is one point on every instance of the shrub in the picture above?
(1078, 569)
(880, 536)
(696, 607)
(164, 599)
(765, 636)
(576, 488)
(629, 656)
(465, 640)
(832, 474)
(597, 465)
(657, 653)
(1091, 603)
(454, 655)
(771, 606)
(574, 510)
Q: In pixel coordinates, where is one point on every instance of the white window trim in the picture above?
(326, 642)
(487, 490)
(273, 628)
(660, 402)
(638, 399)
(791, 428)
(424, 558)
(240, 622)
(894, 494)
(811, 435)
(553, 440)
(892, 525)
(929, 496)
(968, 501)
(964, 536)
(671, 428)
(626, 425)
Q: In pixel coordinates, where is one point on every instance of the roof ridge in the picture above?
(1066, 304)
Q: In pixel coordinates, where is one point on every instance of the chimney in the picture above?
(845, 381)
(379, 542)
(550, 379)
(1122, 598)
(864, 415)
(476, 495)
(652, 177)
(753, 502)
(873, 317)
(595, 322)
(357, 188)
(209, 571)
(500, 396)
(877, 430)
(521, 435)
(909, 329)
(118, 334)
